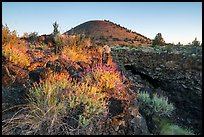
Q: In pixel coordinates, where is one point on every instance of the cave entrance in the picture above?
(154, 82)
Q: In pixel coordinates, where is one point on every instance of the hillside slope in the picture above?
(106, 32)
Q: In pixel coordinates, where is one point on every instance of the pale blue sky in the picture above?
(177, 21)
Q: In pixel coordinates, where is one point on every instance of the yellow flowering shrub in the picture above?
(16, 54)
(75, 54)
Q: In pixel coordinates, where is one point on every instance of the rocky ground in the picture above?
(17, 81)
(174, 72)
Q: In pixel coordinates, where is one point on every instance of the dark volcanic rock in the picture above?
(55, 66)
(37, 74)
(115, 107)
(178, 76)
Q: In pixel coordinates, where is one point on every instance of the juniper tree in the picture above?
(55, 31)
(57, 42)
(158, 40)
(196, 42)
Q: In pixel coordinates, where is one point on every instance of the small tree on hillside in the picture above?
(56, 39)
(33, 36)
(158, 40)
(55, 31)
(179, 44)
(196, 42)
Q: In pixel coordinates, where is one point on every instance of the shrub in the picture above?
(16, 54)
(79, 48)
(33, 37)
(46, 103)
(8, 37)
(92, 97)
(196, 42)
(58, 97)
(75, 54)
(59, 43)
(158, 40)
(13, 49)
(171, 129)
(161, 105)
(145, 103)
(57, 39)
(108, 79)
(157, 105)
(106, 76)
(44, 47)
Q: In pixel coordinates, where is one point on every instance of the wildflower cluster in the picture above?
(16, 54)
(75, 54)
(13, 49)
(8, 37)
(108, 79)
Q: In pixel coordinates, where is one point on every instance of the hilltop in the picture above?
(107, 32)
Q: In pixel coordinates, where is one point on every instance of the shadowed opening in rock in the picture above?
(155, 83)
(37, 74)
(115, 107)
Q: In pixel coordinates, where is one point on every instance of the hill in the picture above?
(106, 32)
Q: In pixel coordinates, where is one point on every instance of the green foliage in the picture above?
(33, 37)
(161, 105)
(83, 121)
(41, 46)
(145, 103)
(171, 129)
(55, 31)
(196, 42)
(158, 40)
(57, 39)
(155, 106)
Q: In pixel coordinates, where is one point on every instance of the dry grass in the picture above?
(59, 104)
(54, 99)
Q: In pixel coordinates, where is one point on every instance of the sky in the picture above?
(176, 21)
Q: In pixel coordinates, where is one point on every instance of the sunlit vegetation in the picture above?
(13, 49)
(77, 49)
(8, 37)
(58, 97)
(16, 55)
(75, 54)
(61, 104)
